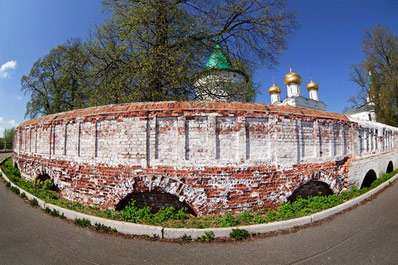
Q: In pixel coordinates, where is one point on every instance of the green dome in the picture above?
(219, 59)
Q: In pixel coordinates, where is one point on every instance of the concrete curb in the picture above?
(176, 233)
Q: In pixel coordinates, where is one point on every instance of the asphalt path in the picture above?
(367, 234)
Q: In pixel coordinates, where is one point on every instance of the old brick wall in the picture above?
(213, 156)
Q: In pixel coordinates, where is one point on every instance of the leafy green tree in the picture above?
(7, 139)
(58, 81)
(8, 134)
(150, 50)
(377, 74)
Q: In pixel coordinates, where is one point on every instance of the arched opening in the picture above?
(390, 167)
(369, 178)
(46, 182)
(156, 200)
(311, 188)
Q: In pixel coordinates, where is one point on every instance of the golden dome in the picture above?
(312, 85)
(292, 78)
(274, 89)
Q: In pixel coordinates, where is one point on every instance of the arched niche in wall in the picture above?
(155, 199)
(369, 178)
(45, 177)
(390, 167)
(311, 188)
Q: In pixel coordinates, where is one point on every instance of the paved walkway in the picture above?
(3, 155)
(367, 234)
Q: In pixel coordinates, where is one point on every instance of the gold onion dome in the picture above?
(292, 78)
(312, 85)
(274, 89)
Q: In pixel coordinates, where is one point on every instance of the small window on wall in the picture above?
(370, 116)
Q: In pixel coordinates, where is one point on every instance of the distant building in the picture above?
(294, 96)
(364, 112)
(218, 76)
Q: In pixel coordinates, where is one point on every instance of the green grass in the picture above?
(170, 217)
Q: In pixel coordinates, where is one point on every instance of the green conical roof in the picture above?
(219, 59)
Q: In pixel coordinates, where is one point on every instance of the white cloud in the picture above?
(18, 97)
(4, 69)
(12, 122)
(1, 120)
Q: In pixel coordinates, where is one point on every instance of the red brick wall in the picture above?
(213, 156)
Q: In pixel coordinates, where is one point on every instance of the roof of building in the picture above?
(219, 59)
(312, 85)
(274, 89)
(292, 78)
(364, 108)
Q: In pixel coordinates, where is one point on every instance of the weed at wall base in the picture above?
(33, 202)
(101, 227)
(208, 237)
(15, 190)
(185, 238)
(23, 196)
(239, 234)
(82, 222)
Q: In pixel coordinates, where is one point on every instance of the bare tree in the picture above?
(377, 75)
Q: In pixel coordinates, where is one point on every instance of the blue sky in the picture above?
(325, 46)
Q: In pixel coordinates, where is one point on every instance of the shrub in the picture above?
(48, 184)
(111, 214)
(8, 184)
(33, 202)
(259, 220)
(239, 234)
(228, 220)
(23, 196)
(82, 222)
(245, 217)
(15, 190)
(286, 210)
(207, 237)
(107, 229)
(186, 238)
(169, 213)
(271, 216)
(10, 169)
(134, 214)
(54, 212)
(131, 213)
